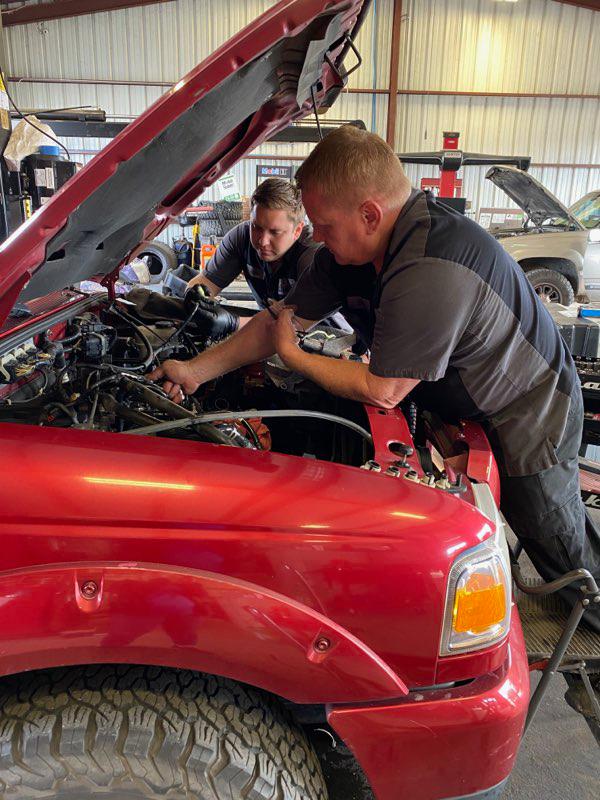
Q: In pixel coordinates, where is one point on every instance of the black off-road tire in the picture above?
(551, 286)
(133, 733)
(161, 258)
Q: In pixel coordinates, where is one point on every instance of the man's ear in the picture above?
(298, 230)
(372, 214)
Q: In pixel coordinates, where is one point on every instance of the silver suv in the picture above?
(558, 247)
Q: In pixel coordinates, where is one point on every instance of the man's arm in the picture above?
(350, 379)
(255, 342)
(227, 262)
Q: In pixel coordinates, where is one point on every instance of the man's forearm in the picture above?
(338, 376)
(351, 379)
(251, 343)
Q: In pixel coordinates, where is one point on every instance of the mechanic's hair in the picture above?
(280, 194)
(351, 163)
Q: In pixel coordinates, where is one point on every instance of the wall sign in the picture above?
(273, 171)
(227, 186)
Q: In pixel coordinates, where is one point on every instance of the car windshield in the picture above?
(587, 210)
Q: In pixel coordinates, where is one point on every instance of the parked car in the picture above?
(266, 591)
(558, 247)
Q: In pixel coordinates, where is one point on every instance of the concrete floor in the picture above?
(559, 758)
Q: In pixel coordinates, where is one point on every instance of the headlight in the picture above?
(478, 600)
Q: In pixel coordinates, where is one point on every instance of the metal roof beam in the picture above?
(60, 9)
(594, 5)
(84, 126)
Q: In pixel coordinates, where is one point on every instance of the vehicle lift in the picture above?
(450, 160)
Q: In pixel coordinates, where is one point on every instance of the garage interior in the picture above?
(491, 105)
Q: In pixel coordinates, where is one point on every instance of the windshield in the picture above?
(587, 210)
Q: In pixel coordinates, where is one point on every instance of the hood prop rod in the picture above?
(314, 104)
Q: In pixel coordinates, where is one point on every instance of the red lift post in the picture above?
(450, 160)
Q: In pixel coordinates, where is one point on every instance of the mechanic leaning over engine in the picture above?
(452, 319)
(271, 250)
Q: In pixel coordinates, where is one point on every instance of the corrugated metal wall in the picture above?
(161, 43)
(533, 46)
(540, 47)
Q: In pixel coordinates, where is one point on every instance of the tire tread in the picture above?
(157, 733)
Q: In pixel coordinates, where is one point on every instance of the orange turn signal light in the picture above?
(479, 604)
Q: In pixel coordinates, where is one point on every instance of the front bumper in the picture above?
(446, 743)
(487, 794)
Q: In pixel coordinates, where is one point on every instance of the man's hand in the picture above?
(210, 317)
(197, 280)
(201, 280)
(286, 339)
(180, 379)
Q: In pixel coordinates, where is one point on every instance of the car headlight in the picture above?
(478, 600)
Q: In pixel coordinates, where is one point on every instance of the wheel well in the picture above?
(303, 713)
(561, 265)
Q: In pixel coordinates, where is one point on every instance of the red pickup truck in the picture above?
(265, 592)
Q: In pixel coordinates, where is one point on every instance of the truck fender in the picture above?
(154, 614)
(526, 252)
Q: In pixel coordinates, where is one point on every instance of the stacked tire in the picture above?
(224, 216)
(160, 258)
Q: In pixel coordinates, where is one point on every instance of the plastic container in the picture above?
(49, 150)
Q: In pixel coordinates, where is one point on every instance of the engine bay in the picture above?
(89, 372)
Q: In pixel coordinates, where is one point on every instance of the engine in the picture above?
(89, 372)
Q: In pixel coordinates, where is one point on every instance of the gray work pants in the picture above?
(547, 514)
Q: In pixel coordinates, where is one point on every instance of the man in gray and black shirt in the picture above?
(271, 249)
(448, 316)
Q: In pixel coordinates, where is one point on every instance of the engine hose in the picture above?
(142, 367)
(253, 434)
(178, 331)
(68, 412)
(74, 337)
(95, 386)
(135, 323)
(7, 402)
(265, 414)
(90, 422)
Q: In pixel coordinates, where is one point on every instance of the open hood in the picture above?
(253, 86)
(536, 201)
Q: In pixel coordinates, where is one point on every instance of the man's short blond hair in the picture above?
(277, 193)
(350, 163)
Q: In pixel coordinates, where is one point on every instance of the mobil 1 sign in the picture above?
(273, 171)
